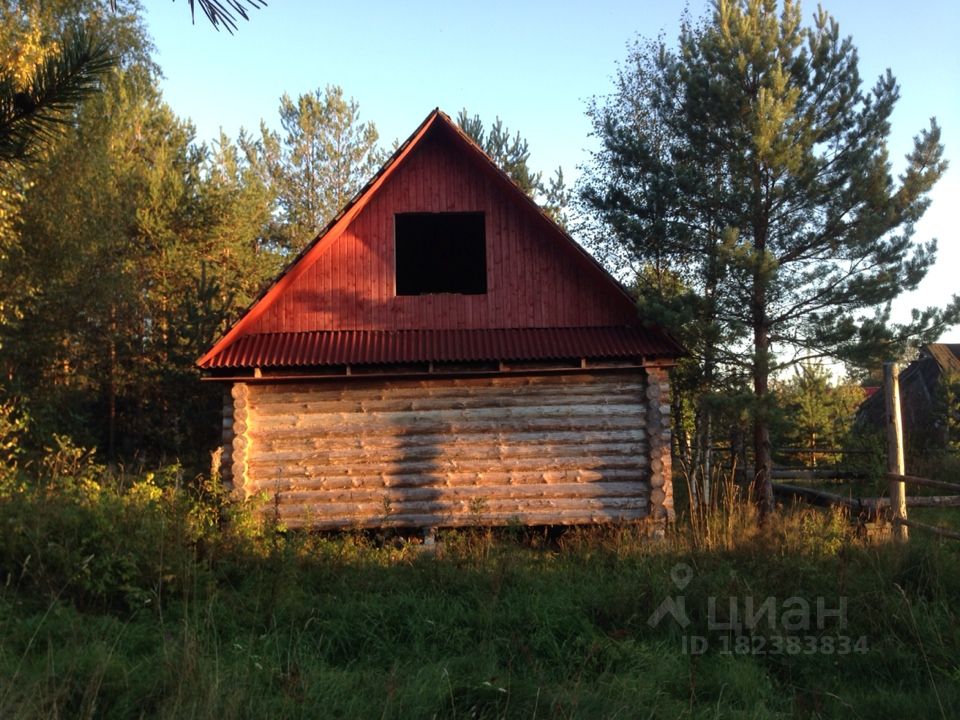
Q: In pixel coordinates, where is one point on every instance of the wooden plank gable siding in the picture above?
(560, 449)
(351, 285)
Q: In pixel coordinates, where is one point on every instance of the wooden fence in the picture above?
(871, 509)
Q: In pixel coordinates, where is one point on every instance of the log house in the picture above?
(444, 354)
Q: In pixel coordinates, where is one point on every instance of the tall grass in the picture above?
(152, 596)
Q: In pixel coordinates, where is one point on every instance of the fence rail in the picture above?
(923, 482)
(942, 532)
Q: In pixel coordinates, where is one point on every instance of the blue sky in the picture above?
(533, 63)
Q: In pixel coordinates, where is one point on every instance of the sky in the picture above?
(535, 64)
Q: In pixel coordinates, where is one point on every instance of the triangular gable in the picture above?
(436, 128)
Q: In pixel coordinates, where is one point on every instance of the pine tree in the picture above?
(818, 412)
(754, 154)
(318, 164)
(511, 153)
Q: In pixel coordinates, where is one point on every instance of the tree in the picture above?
(226, 12)
(322, 160)
(818, 413)
(131, 248)
(753, 153)
(511, 154)
(54, 54)
(136, 245)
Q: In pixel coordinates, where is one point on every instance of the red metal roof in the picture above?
(358, 347)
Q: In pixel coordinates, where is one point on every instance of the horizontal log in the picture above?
(292, 418)
(468, 492)
(378, 388)
(270, 405)
(487, 519)
(238, 474)
(924, 482)
(494, 397)
(429, 458)
(812, 474)
(355, 425)
(537, 444)
(936, 530)
(919, 501)
(442, 506)
(859, 507)
(422, 405)
(477, 468)
(933, 501)
(398, 438)
(270, 482)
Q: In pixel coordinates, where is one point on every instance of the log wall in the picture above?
(558, 449)
(226, 455)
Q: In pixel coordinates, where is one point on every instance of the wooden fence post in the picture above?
(895, 460)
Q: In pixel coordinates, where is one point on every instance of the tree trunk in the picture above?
(112, 388)
(763, 460)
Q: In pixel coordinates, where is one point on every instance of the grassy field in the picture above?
(150, 597)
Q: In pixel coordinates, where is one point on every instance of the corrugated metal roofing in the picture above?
(373, 347)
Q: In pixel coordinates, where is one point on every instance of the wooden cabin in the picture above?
(444, 354)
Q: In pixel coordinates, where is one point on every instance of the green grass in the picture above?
(123, 600)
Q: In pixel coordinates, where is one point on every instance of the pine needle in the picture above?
(36, 114)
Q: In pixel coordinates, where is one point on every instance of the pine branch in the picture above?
(225, 12)
(34, 115)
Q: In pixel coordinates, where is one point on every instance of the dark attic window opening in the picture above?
(441, 253)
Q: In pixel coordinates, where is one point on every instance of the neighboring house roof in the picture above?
(918, 386)
(946, 355)
(336, 303)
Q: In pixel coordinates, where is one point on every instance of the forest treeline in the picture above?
(127, 245)
(741, 188)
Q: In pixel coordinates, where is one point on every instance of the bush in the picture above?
(151, 596)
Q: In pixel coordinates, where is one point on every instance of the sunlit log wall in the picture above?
(548, 449)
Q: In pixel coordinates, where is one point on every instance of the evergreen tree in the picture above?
(220, 13)
(752, 162)
(323, 158)
(818, 413)
(511, 153)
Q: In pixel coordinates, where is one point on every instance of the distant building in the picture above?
(921, 397)
(444, 354)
